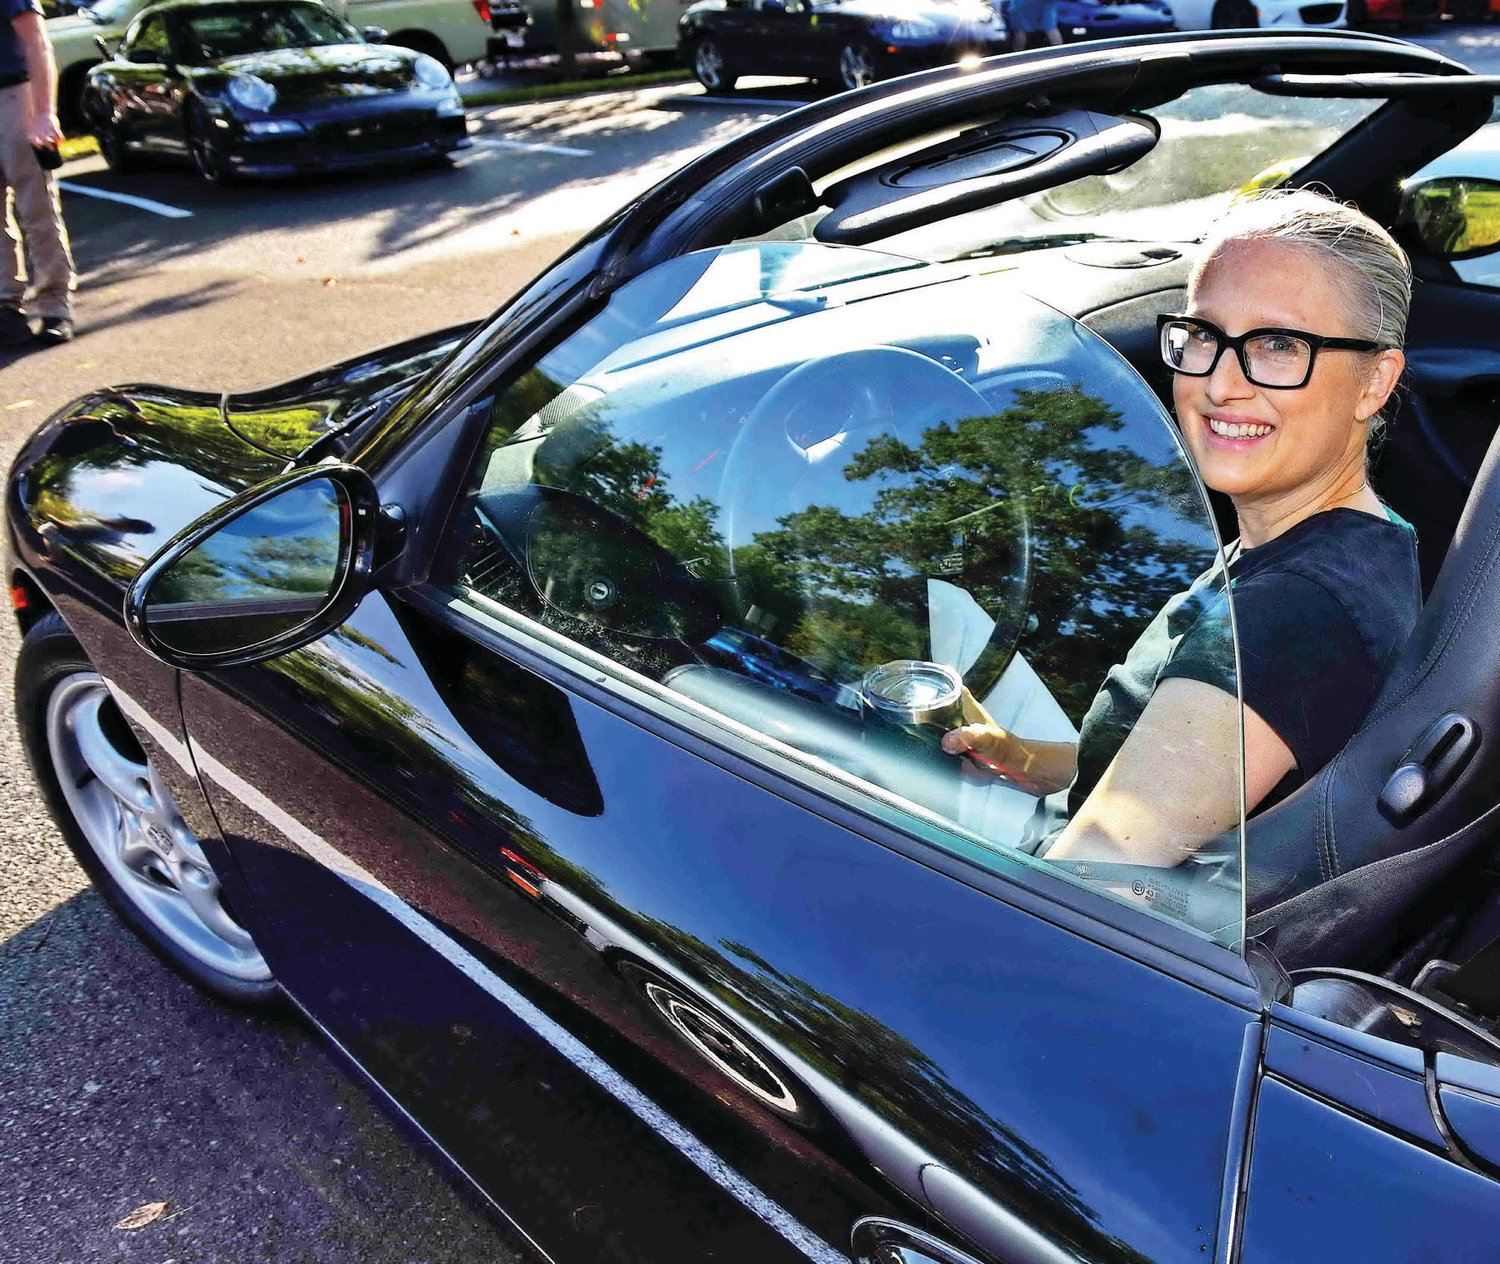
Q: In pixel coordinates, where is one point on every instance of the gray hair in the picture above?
(1346, 241)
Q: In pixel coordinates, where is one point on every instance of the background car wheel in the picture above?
(856, 65)
(121, 823)
(1234, 14)
(711, 67)
(208, 158)
(1468, 11)
(72, 91)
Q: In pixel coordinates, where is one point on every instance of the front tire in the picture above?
(856, 66)
(208, 160)
(119, 820)
(711, 67)
(72, 96)
(1233, 15)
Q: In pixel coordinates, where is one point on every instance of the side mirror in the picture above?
(1455, 217)
(374, 34)
(276, 567)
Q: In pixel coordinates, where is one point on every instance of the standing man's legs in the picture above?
(38, 214)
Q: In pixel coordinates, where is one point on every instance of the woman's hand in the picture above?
(984, 741)
(1038, 768)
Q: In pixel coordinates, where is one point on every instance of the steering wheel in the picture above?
(847, 468)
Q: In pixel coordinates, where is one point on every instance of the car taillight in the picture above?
(482, 7)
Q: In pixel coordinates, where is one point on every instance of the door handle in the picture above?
(880, 1241)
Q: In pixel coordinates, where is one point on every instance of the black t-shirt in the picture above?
(1320, 611)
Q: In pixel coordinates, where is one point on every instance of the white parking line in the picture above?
(494, 142)
(128, 199)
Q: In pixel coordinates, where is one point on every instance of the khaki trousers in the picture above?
(32, 204)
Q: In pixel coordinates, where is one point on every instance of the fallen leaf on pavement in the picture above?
(142, 1216)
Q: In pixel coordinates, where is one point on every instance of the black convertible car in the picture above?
(848, 43)
(542, 706)
(268, 88)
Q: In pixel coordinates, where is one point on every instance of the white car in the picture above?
(1198, 15)
(453, 31)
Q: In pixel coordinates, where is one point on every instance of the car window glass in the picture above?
(148, 41)
(823, 510)
(233, 32)
(1216, 141)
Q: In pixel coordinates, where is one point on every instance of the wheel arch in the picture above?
(421, 41)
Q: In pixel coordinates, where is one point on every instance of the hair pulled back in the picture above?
(1350, 245)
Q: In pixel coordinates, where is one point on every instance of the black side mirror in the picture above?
(374, 34)
(1455, 216)
(270, 570)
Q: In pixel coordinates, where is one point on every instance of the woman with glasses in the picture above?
(1284, 363)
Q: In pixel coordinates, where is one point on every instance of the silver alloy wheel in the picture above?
(856, 69)
(129, 819)
(708, 65)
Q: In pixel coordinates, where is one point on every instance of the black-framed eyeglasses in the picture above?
(1281, 359)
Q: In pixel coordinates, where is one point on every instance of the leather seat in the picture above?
(1335, 876)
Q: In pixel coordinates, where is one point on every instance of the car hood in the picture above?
(330, 70)
(117, 473)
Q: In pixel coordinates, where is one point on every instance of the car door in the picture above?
(148, 87)
(679, 960)
(1354, 1129)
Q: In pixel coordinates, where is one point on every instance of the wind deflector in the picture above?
(981, 168)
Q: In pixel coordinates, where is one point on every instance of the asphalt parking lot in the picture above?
(120, 1086)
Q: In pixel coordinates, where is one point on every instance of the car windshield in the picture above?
(225, 32)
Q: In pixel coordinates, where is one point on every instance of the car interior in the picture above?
(1373, 893)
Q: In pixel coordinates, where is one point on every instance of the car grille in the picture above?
(1320, 14)
(375, 132)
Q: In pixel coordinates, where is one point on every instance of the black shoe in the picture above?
(54, 331)
(14, 331)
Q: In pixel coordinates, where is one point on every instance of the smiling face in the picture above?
(1275, 451)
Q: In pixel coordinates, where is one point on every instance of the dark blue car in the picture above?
(504, 699)
(1102, 19)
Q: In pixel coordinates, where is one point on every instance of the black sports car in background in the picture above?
(266, 88)
(850, 44)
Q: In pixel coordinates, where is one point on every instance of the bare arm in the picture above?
(1171, 788)
(41, 78)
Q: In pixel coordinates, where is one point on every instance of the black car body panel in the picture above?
(657, 997)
